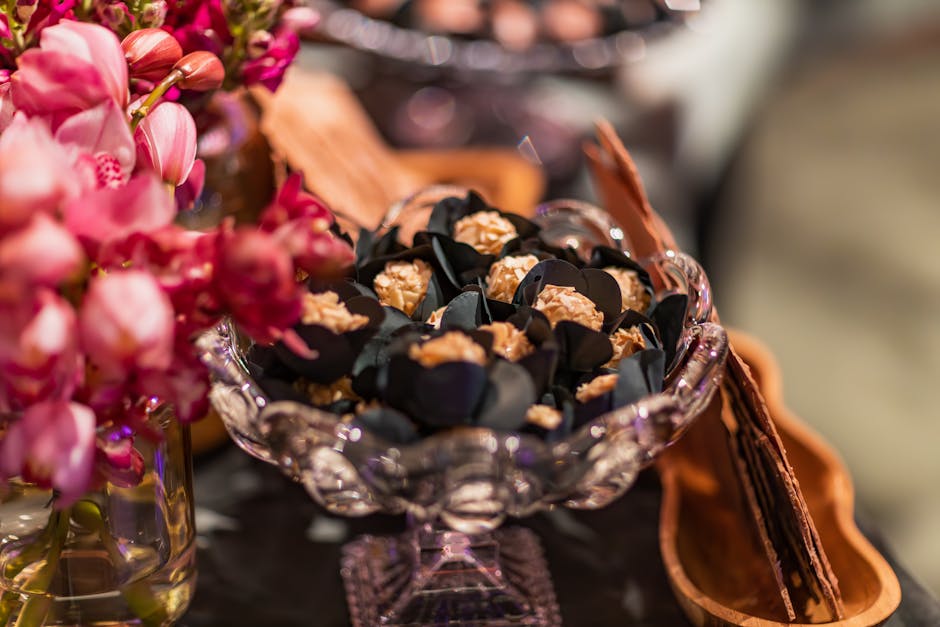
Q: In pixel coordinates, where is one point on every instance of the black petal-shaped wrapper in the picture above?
(597, 285)
(543, 361)
(639, 375)
(459, 262)
(648, 329)
(669, 317)
(448, 211)
(281, 390)
(604, 256)
(387, 423)
(439, 291)
(581, 349)
(466, 312)
(375, 353)
(370, 247)
(336, 352)
(509, 394)
(443, 396)
(562, 400)
(541, 250)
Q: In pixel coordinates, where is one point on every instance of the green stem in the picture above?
(137, 594)
(162, 87)
(37, 606)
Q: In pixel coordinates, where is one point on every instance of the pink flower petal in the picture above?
(95, 45)
(166, 141)
(51, 82)
(101, 129)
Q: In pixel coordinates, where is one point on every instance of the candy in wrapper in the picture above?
(625, 342)
(322, 394)
(486, 231)
(596, 387)
(632, 291)
(403, 284)
(508, 341)
(326, 310)
(506, 274)
(450, 347)
(544, 416)
(565, 303)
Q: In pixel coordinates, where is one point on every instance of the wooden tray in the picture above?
(711, 553)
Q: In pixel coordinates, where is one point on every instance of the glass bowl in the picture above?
(453, 567)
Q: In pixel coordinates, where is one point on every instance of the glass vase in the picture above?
(117, 556)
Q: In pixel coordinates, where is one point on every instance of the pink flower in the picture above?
(126, 323)
(101, 145)
(39, 358)
(6, 101)
(151, 53)
(94, 45)
(142, 205)
(166, 142)
(268, 69)
(255, 277)
(52, 445)
(185, 384)
(35, 173)
(42, 239)
(190, 190)
(300, 19)
(201, 70)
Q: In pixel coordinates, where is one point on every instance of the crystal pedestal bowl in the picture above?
(455, 566)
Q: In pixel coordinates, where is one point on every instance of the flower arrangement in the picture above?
(100, 292)
(478, 322)
(256, 40)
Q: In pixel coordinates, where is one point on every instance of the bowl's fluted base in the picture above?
(430, 576)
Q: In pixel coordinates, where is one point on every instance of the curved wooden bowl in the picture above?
(715, 565)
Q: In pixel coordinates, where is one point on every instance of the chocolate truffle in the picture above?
(326, 310)
(508, 341)
(486, 231)
(625, 343)
(632, 291)
(403, 284)
(543, 416)
(452, 346)
(505, 276)
(559, 303)
(322, 394)
(436, 317)
(598, 386)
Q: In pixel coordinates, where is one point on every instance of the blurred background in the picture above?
(793, 146)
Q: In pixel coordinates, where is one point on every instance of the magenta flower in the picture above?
(190, 190)
(39, 358)
(94, 45)
(35, 173)
(255, 277)
(185, 384)
(268, 68)
(42, 239)
(126, 323)
(166, 142)
(53, 445)
(291, 203)
(151, 53)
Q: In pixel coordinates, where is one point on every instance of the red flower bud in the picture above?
(151, 53)
(201, 70)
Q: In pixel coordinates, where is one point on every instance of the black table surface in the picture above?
(268, 555)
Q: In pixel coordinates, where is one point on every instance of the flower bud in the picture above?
(201, 71)
(151, 53)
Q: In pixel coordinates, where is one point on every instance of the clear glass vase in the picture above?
(118, 556)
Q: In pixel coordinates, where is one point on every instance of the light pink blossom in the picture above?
(166, 142)
(142, 205)
(39, 358)
(35, 173)
(53, 445)
(95, 45)
(101, 145)
(126, 323)
(41, 253)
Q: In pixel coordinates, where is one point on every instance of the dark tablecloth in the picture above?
(269, 556)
